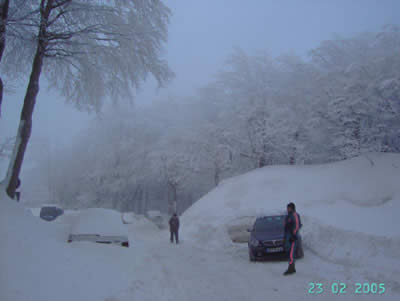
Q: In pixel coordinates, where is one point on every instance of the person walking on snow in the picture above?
(174, 228)
(292, 227)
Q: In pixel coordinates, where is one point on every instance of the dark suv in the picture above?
(50, 213)
(267, 239)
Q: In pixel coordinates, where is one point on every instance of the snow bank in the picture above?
(35, 211)
(36, 262)
(363, 185)
(348, 208)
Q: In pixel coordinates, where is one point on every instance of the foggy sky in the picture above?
(201, 35)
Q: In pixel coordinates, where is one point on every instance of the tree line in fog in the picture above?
(342, 100)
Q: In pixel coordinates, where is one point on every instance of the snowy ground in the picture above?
(349, 212)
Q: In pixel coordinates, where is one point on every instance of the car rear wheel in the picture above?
(251, 256)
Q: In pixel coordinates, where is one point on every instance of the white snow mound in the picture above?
(37, 263)
(358, 195)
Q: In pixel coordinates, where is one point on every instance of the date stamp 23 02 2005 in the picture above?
(341, 288)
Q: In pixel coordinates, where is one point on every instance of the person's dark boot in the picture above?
(294, 268)
(290, 270)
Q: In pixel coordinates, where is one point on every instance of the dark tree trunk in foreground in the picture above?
(25, 125)
(3, 24)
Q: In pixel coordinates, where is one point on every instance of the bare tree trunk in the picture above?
(357, 135)
(146, 200)
(3, 25)
(262, 161)
(216, 175)
(141, 201)
(25, 126)
(175, 200)
(172, 198)
(168, 199)
(293, 157)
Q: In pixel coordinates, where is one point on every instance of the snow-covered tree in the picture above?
(258, 111)
(90, 49)
(4, 6)
(363, 89)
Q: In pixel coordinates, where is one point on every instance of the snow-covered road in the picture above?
(350, 236)
(190, 272)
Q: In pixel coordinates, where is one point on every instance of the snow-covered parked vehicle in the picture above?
(267, 239)
(158, 218)
(100, 226)
(129, 217)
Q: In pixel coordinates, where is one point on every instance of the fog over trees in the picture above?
(340, 101)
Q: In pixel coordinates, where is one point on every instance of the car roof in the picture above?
(49, 209)
(275, 215)
(99, 221)
(50, 205)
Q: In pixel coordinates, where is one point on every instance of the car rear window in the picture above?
(49, 211)
(268, 223)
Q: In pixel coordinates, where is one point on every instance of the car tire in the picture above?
(251, 256)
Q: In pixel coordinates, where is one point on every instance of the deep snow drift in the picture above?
(360, 195)
(37, 263)
(350, 211)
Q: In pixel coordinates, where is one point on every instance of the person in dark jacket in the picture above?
(292, 227)
(174, 228)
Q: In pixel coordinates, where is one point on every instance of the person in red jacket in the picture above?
(174, 228)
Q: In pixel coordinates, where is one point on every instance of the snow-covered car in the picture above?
(100, 226)
(267, 239)
(129, 217)
(50, 213)
(158, 218)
